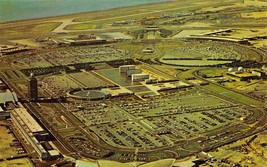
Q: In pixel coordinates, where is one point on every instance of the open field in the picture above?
(5, 150)
(22, 31)
(22, 162)
(229, 94)
(210, 73)
(254, 15)
(9, 148)
(90, 80)
(81, 27)
(115, 76)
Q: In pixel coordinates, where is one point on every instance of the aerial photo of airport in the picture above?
(161, 84)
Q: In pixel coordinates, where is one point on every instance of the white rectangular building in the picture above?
(29, 127)
(139, 77)
(28, 120)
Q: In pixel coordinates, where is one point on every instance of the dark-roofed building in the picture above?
(33, 88)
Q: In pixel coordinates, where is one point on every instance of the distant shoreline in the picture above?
(78, 14)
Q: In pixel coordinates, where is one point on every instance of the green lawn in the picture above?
(83, 26)
(233, 95)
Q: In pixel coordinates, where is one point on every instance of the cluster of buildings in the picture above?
(24, 122)
(33, 133)
(29, 128)
(90, 39)
(246, 75)
(135, 74)
(8, 100)
(6, 50)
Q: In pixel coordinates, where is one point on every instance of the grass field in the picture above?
(213, 72)
(5, 149)
(83, 26)
(22, 162)
(255, 15)
(115, 76)
(89, 80)
(18, 32)
(233, 95)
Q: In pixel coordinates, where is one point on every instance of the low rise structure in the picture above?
(77, 42)
(139, 77)
(8, 97)
(12, 50)
(148, 51)
(30, 129)
(54, 154)
(243, 76)
(259, 73)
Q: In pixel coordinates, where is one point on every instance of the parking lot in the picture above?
(71, 55)
(158, 121)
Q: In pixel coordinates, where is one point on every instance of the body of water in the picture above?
(11, 10)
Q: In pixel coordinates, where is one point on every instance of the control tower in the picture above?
(33, 88)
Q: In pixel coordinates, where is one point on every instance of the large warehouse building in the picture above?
(30, 129)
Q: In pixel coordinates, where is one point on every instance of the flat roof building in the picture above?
(134, 71)
(259, 73)
(234, 40)
(79, 42)
(123, 69)
(243, 76)
(30, 129)
(8, 97)
(139, 77)
(28, 120)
